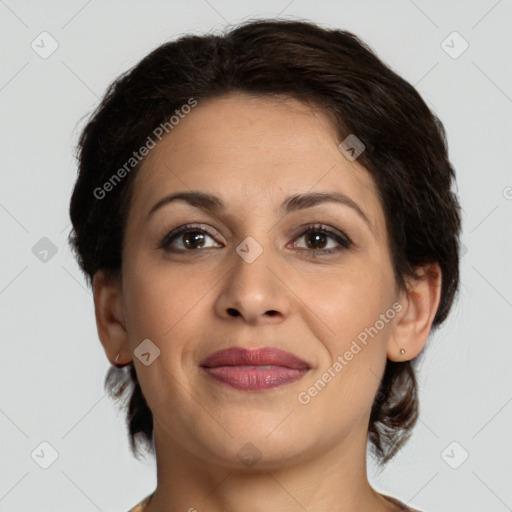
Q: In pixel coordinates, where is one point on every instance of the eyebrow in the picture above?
(212, 203)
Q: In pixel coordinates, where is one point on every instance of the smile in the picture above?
(254, 369)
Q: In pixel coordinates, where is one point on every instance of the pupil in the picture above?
(318, 239)
(314, 240)
(191, 235)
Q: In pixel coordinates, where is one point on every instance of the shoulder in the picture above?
(403, 506)
(140, 507)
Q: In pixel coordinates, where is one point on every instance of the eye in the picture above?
(317, 238)
(189, 238)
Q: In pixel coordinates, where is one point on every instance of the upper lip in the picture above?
(235, 356)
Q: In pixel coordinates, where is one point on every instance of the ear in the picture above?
(419, 306)
(110, 321)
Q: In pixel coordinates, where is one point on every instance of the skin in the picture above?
(253, 153)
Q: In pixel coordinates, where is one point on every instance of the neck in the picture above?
(333, 479)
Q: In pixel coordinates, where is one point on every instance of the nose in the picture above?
(255, 291)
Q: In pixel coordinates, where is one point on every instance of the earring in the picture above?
(117, 357)
(402, 351)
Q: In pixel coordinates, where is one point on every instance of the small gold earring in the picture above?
(117, 357)
(402, 351)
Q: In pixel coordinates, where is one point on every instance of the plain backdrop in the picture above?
(52, 366)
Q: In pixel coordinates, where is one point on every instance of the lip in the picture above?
(254, 369)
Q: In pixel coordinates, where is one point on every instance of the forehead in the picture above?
(253, 152)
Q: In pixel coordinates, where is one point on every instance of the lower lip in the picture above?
(255, 378)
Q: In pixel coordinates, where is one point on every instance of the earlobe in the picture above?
(110, 321)
(413, 324)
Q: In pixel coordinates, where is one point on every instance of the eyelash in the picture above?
(343, 240)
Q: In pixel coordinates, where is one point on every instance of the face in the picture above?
(310, 278)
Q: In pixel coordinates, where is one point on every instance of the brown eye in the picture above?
(193, 239)
(186, 239)
(317, 238)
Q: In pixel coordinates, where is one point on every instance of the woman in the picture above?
(267, 222)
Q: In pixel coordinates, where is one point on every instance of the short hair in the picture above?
(405, 152)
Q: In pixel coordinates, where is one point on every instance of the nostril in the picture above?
(234, 312)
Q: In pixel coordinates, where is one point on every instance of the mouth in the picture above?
(254, 369)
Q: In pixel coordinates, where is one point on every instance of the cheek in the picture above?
(159, 300)
(349, 302)
(355, 349)
(166, 306)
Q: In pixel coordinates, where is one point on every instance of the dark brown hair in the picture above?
(405, 152)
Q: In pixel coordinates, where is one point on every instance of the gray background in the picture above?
(52, 365)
